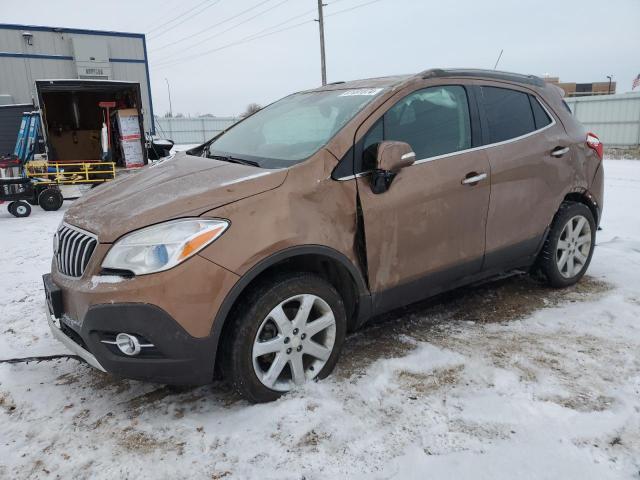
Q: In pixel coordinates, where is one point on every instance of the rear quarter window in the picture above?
(508, 113)
(539, 115)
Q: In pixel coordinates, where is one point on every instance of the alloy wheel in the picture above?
(294, 342)
(574, 246)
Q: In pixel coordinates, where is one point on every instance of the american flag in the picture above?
(636, 82)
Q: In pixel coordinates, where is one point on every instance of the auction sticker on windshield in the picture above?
(366, 92)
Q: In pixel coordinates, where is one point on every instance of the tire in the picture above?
(565, 248)
(50, 199)
(10, 208)
(254, 326)
(21, 209)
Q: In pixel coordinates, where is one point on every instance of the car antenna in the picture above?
(499, 57)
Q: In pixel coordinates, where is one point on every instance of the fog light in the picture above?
(128, 344)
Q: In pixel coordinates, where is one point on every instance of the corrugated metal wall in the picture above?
(192, 130)
(614, 118)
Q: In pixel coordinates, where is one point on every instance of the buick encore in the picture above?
(256, 252)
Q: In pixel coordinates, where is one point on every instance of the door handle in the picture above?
(473, 178)
(559, 151)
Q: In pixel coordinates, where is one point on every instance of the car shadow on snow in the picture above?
(388, 336)
(500, 301)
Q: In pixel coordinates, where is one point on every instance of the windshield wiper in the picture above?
(231, 159)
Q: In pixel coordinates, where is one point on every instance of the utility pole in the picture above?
(322, 56)
(169, 91)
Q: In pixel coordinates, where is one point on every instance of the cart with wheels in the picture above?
(22, 191)
(17, 191)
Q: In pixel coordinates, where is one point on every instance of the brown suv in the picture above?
(260, 249)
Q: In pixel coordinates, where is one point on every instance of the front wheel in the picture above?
(20, 209)
(288, 331)
(567, 252)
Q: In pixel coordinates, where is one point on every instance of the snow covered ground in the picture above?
(501, 381)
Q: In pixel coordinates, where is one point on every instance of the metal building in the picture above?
(29, 53)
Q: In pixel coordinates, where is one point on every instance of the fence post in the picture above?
(638, 124)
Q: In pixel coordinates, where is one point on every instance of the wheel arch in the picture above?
(326, 262)
(587, 199)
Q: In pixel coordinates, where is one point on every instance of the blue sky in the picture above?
(579, 41)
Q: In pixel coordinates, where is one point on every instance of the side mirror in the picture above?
(390, 159)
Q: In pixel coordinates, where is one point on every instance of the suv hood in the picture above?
(182, 186)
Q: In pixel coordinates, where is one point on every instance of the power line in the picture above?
(211, 3)
(174, 18)
(255, 36)
(173, 60)
(344, 10)
(217, 34)
(212, 26)
(232, 44)
(295, 17)
(158, 8)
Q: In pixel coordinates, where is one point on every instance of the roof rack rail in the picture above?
(492, 74)
(337, 83)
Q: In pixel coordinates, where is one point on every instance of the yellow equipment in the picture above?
(71, 173)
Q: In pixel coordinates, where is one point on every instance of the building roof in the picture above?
(40, 28)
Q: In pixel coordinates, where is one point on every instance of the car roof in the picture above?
(376, 82)
(395, 80)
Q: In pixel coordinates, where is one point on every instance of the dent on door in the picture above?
(429, 227)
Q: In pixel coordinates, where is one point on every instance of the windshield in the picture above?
(292, 129)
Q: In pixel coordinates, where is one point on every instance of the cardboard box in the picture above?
(130, 137)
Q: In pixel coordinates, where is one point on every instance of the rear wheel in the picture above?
(20, 209)
(287, 332)
(50, 199)
(568, 249)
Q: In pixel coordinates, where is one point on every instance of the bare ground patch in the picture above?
(499, 301)
(134, 440)
(423, 384)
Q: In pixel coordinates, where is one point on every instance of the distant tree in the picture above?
(251, 109)
(168, 115)
(179, 115)
(207, 115)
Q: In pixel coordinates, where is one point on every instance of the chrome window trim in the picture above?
(474, 149)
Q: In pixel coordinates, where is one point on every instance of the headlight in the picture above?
(160, 247)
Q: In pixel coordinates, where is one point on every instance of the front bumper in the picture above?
(177, 357)
(58, 334)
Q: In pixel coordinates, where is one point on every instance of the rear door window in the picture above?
(508, 113)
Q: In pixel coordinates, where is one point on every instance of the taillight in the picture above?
(594, 143)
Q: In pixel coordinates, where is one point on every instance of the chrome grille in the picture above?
(73, 249)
